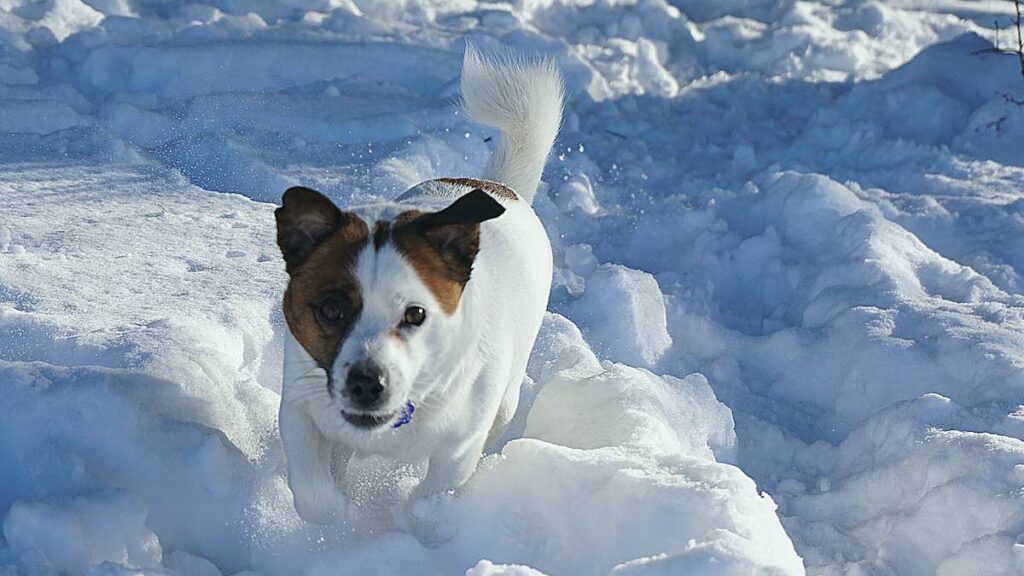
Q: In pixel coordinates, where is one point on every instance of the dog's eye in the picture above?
(329, 312)
(414, 316)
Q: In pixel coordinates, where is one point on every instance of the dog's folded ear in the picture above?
(305, 218)
(472, 208)
(455, 231)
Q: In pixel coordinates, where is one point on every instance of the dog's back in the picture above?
(512, 273)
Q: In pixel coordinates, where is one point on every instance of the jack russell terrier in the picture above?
(411, 321)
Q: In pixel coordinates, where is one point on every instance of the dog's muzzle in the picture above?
(365, 386)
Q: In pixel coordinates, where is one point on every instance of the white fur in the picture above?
(524, 101)
(461, 371)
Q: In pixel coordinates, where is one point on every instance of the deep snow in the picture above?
(787, 327)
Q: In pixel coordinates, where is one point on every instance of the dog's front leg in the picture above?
(449, 471)
(313, 462)
(424, 514)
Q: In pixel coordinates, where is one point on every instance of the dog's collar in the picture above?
(406, 416)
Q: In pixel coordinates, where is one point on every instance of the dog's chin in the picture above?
(369, 420)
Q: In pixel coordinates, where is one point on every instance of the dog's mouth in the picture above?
(368, 420)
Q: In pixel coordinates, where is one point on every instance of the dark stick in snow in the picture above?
(1020, 38)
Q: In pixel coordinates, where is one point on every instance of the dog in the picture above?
(410, 322)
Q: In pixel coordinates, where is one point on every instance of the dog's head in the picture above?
(376, 304)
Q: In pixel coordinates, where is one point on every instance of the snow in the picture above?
(636, 330)
(786, 331)
(84, 533)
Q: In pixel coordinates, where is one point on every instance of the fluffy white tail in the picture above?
(522, 99)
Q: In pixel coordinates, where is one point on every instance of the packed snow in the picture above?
(786, 333)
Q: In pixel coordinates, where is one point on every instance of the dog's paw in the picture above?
(426, 519)
(322, 505)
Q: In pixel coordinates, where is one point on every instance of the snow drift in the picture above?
(787, 326)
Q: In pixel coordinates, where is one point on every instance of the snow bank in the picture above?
(85, 533)
(615, 473)
(789, 254)
(166, 397)
(935, 497)
(633, 329)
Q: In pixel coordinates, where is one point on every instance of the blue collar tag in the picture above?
(405, 418)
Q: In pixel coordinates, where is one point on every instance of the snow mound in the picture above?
(186, 433)
(633, 329)
(615, 466)
(924, 461)
(789, 245)
(86, 533)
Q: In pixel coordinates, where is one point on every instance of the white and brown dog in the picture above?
(430, 303)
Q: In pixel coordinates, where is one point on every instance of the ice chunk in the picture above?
(630, 407)
(623, 314)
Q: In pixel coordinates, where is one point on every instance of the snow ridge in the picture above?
(786, 330)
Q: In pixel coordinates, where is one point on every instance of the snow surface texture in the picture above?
(789, 243)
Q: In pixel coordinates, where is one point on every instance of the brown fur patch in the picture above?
(326, 273)
(499, 190)
(445, 277)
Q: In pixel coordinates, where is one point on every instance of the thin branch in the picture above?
(1020, 37)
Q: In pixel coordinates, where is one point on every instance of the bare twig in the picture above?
(1020, 36)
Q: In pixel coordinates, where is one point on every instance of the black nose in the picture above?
(364, 385)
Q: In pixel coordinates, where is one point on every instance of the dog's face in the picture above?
(375, 304)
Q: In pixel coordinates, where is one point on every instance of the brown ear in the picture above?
(305, 218)
(455, 231)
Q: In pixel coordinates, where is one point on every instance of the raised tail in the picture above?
(522, 99)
